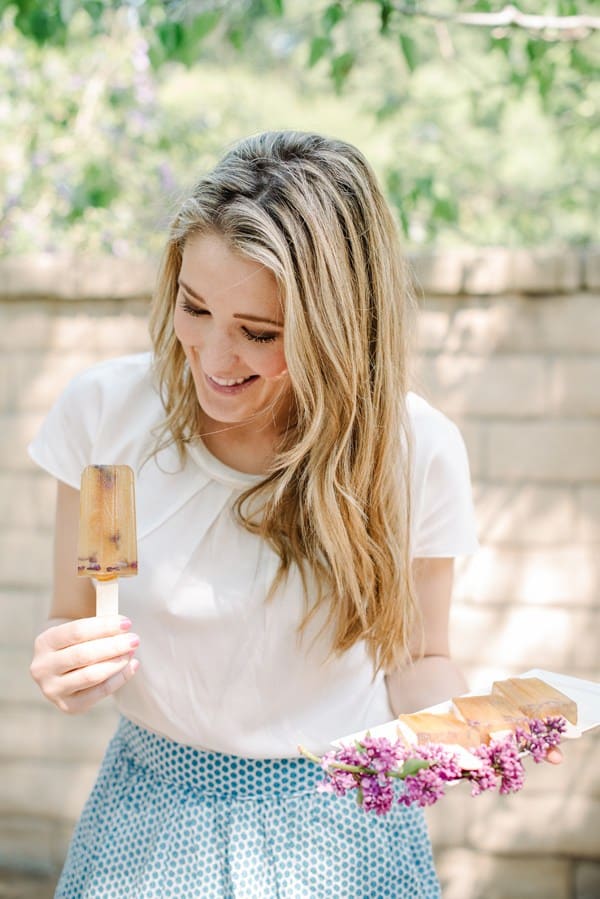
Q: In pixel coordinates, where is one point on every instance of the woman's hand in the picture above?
(78, 663)
(554, 756)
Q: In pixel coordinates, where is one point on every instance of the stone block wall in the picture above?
(509, 347)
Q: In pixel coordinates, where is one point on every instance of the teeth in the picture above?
(227, 382)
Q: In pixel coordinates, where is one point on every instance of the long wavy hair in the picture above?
(336, 500)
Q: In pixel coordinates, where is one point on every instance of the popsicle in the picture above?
(536, 698)
(107, 548)
(426, 727)
(490, 714)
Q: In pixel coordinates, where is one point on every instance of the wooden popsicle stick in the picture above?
(107, 597)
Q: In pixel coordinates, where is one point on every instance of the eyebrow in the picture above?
(250, 318)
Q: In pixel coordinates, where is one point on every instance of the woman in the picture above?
(298, 515)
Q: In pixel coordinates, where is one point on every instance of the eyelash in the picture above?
(249, 335)
(259, 338)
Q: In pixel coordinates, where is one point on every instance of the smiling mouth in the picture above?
(229, 382)
(230, 385)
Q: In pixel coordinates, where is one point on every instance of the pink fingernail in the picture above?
(134, 641)
(125, 624)
(134, 665)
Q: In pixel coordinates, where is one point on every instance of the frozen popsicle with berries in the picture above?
(107, 548)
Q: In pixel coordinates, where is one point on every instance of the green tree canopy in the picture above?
(482, 120)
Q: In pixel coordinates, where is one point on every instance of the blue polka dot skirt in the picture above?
(166, 820)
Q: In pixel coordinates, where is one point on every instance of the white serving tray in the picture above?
(584, 692)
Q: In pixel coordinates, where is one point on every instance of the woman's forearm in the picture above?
(425, 682)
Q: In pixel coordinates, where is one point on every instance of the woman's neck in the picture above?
(244, 447)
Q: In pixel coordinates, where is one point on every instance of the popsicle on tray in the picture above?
(535, 698)
(475, 719)
(489, 714)
(425, 727)
(107, 546)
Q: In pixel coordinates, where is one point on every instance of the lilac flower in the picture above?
(373, 765)
(382, 755)
(377, 796)
(427, 785)
(340, 779)
(348, 755)
(423, 788)
(483, 778)
(445, 762)
(340, 782)
(542, 735)
(503, 757)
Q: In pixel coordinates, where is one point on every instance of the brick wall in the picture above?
(518, 368)
(508, 347)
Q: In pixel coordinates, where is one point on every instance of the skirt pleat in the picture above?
(167, 821)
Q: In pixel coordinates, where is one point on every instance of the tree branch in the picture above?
(509, 16)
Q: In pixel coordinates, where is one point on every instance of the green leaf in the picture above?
(535, 49)
(501, 43)
(156, 54)
(445, 208)
(423, 186)
(341, 66)
(333, 14)
(411, 766)
(544, 75)
(42, 24)
(171, 36)
(193, 33)
(581, 63)
(205, 23)
(95, 9)
(385, 12)
(567, 8)
(275, 6)
(97, 188)
(319, 46)
(404, 220)
(236, 37)
(518, 80)
(409, 51)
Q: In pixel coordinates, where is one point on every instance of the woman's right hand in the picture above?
(78, 663)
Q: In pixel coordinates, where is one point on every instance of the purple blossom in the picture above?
(423, 788)
(373, 766)
(347, 755)
(377, 795)
(445, 762)
(381, 755)
(543, 735)
(483, 778)
(428, 785)
(340, 781)
(503, 757)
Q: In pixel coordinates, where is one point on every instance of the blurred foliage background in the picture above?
(481, 120)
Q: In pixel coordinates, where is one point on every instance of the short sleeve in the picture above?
(63, 445)
(103, 417)
(442, 502)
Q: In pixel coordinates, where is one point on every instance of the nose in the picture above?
(218, 352)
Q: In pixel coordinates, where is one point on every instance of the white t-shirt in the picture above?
(222, 669)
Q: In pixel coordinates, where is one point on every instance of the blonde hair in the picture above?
(336, 501)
